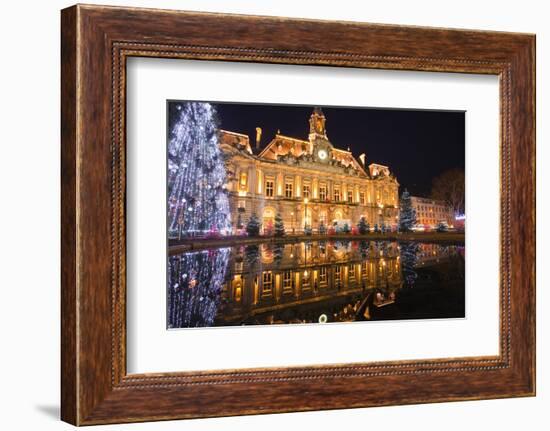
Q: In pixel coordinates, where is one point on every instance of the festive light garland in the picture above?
(407, 214)
(197, 197)
(195, 286)
(408, 252)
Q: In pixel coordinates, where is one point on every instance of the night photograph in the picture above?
(288, 214)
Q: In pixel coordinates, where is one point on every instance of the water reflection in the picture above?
(315, 281)
(409, 260)
(195, 287)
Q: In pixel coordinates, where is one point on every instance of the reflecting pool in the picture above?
(315, 282)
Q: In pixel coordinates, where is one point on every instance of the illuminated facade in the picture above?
(430, 212)
(309, 282)
(308, 182)
(321, 279)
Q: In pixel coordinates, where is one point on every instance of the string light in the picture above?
(195, 286)
(197, 197)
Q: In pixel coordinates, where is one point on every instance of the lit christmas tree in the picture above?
(253, 225)
(409, 257)
(278, 251)
(252, 255)
(407, 214)
(279, 225)
(364, 249)
(197, 198)
(362, 226)
(194, 287)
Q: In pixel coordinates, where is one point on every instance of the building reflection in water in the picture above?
(303, 282)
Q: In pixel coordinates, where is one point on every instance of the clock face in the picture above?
(322, 154)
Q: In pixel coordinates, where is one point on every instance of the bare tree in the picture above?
(449, 187)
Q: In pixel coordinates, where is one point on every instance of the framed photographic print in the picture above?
(331, 215)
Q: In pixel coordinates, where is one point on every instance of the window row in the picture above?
(430, 209)
(306, 192)
(323, 193)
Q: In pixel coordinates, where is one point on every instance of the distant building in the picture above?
(430, 212)
(308, 182)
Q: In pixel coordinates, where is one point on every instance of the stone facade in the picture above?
(430, 212)
(308, 182)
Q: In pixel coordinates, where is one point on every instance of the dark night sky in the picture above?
(417, 145)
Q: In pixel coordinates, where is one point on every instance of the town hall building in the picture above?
(308, 182)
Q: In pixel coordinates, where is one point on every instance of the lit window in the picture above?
(350, 197)
(244, 180)
(238, 292)
(323, 275)
(269, 187)
(337, 195)
(288, 190)
(306, 190)
(305, 280)
(267, 280)
(362, 198)
(323, 192)
(287, 280)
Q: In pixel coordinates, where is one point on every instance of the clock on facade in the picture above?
(322, 154)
